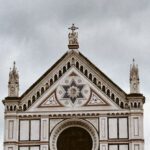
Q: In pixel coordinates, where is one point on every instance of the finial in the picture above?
(73, 28)
(133, 60)
(73, 38)
(14, 65)
(133, 66)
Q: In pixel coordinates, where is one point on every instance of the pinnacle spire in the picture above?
(134, 78)
(73, 38)
(13, 84)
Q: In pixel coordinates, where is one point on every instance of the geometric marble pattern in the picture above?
(73, 91)
(96, 100)
(51, 101)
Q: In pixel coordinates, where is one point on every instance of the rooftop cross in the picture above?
(73, 27)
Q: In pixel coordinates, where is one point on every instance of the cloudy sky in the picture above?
(111, 34)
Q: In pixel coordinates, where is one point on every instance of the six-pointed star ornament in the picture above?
(73, 91)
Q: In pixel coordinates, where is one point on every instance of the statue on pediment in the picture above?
(73, 38)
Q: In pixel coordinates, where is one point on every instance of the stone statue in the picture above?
(73, 38)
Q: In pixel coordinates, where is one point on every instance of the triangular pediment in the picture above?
(72, 82)
(73, 91)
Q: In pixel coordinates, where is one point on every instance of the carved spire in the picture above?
(73, 38)
(13, 84)
(134, 78)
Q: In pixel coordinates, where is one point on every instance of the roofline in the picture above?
(42, 77)
(57, 62)
(103, 73)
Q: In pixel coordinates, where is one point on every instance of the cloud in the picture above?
(34, 33)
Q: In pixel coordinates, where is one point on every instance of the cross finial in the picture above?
(133, 60)
(73, 27)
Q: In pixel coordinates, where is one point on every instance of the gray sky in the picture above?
(111, 34)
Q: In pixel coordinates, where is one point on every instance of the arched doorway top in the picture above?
(74, 123)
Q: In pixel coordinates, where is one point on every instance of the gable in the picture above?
(73, 92)
(84, 67)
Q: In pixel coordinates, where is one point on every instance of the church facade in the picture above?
(74, 106)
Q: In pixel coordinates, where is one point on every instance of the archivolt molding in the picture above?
(74, 123)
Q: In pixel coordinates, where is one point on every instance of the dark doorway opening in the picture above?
(74, 138)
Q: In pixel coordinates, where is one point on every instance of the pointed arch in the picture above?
(86, 73)
(121, 105)
(135, 105)
(24, 107)
(68, 65)
(11, 108)
(64, 69)
(81, 69)
(112, 96)
(55, 77)
(42, 90)
(29, 103)
(51, 81)
(38, 94)
(15, 108)
(60, 73)
(103, 88)
(33, 99)
(77, 65)
(90, 76)
(117, 100)
(139, 105)
(95, 81)
(108, 92)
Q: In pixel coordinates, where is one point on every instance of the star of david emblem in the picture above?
(73, 91)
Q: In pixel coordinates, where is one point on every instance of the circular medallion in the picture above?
(73, 93)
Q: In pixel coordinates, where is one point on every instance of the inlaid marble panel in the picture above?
(73, 91)
(24, 130)
(112, 128)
